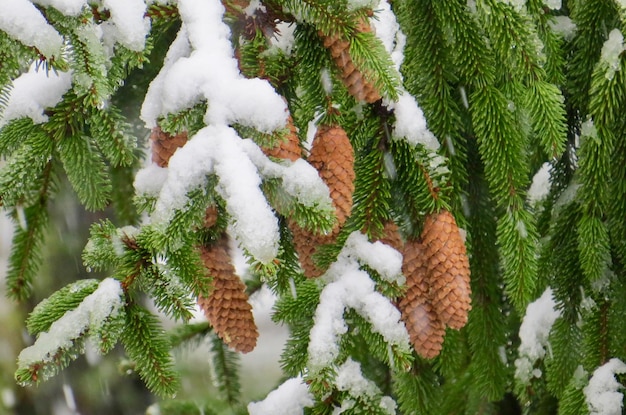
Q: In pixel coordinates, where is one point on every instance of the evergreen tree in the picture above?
(434, 190)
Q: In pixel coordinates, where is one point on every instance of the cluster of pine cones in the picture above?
(435, 265)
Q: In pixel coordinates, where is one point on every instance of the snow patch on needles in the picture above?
(128, 17)
(541, 184)
(350, 287)
(21, 19)
(534, 332)
(377, 255)
(290, 398)
(410, 122)
(207, 70)
(601, 394)
(350, 379)
(553, 4)
(219, 150)
(33, 92)
(104, 303)
(67, 7)
(611, 51)
(516, 4)
(388, 31)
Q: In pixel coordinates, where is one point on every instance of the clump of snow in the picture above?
(622, 3)
(611, 51)
(378, 256)
(220, 151)
(290, 398)
(21, 19)
(359, 4)
(207, 70)
(602, 393)
(564, 26)
(129, 18)
(553, 4)
(540, 186)
(388, 31)
(104, 303)
(350, 379)
(516, 4)
(67, 7)
(284, 39)
(410, 123)
(149, 180)
(534, 332)
(350, 287)
(33, 92)
(588, 129)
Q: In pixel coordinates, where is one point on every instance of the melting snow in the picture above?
(602, 393)
(290, 398)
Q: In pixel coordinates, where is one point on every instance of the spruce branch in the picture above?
(146, 345)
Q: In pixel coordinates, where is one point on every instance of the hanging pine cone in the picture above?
(333, 157)
(289, 147)
(448, 268)
(391, 236)
(352, 78)
(164, 145)
(426, 330)
(227, 307)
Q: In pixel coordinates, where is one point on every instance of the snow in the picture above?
(129, 19)
(290, 398)
(359, 4)
(540, 186)
(283, 39)
(219, 150)
(564, 26)
(588, 129)
(21, 19)
(378, 256)
(553, 4)
(388, 31)
(602, 393)
(104, 303)
(350, 287)
(534, 332)
(200, 66)
(410, 122)
(299, 178)
(611, 51)
(516, 4)
(350, 379)
(149, 180)
(33, 92)
(622, 3)
(67, 7)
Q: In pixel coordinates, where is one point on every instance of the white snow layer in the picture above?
(128, 17)
(611, 51)
(92, 312)
(33, 92)
(410, 122)
(290, 398)
(534, 332)
(21, 19)
(601, 394)
(350, 287)
(219, 150)
(388, 31)
(553, 4)
(564, 26)
(516, 4)
(67, 7)
(350, 379)
(200, 65)
(540, 186)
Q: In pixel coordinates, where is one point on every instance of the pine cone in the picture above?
(164, 145)
(333, 157)
(448, 268)
(391, 236)
(210, 217)
(227, 307)
(353, 79)
(425, 329)
(289, 148)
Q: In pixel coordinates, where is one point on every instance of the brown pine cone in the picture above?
(448, 267)
(333, 157)
(391, 236)
(210, 216)
(227, 307)
(164, 145)
(426, 330)
(353, 79)
(289, 148)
